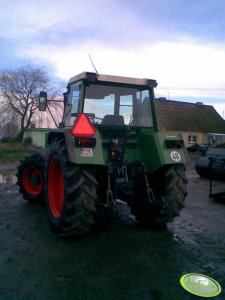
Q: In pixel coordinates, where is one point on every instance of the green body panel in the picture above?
(39, 136)
(153, 150)
(99, 153)
(148, 146)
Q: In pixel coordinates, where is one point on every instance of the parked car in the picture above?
(197, 148)
(211, 164)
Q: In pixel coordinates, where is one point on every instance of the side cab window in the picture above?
(73, 100)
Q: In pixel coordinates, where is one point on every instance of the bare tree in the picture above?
(9, 126)
(20, 89)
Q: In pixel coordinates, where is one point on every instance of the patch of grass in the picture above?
(11, 152)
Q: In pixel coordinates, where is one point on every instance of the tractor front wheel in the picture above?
(30, 178)
(71, 193)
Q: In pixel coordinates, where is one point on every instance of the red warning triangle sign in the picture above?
(83, 127)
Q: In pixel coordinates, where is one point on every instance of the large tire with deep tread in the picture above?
(30, 178)
(70, 192)
(169, 187)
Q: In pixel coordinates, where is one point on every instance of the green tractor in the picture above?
(107, 147)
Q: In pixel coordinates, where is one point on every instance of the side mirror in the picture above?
(42, 101)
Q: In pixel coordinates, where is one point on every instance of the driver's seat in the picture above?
(113, 120)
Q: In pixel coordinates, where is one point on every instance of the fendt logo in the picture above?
(175, 156)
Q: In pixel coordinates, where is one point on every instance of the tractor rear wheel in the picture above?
(71, 193)
(169, 188)
(30, 178)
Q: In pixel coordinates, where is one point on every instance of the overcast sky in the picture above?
(180, 43)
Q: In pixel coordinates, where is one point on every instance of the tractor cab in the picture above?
(110, 100)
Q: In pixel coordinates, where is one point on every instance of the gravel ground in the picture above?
(121, 261)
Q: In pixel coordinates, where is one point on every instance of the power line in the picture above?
(191, 89)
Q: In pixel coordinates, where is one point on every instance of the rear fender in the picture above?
(156, 152)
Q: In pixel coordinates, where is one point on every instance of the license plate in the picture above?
(86, 152)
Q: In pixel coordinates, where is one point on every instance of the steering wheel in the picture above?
(92, 118)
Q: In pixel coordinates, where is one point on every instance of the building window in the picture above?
(192, 139)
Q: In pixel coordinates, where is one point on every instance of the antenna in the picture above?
(93, 64)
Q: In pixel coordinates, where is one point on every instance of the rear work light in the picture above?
(174, 144)
(82, 127)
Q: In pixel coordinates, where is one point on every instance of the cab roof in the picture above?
(95, 78)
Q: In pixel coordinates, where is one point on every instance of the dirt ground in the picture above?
(122, 261)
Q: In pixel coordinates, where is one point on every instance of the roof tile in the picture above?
(183, 116)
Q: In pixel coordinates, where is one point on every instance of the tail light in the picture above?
(82, 127)
(85, 142)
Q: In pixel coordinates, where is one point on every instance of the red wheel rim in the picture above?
(32, 180)
(55, 187)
